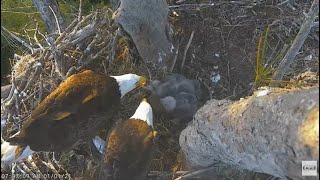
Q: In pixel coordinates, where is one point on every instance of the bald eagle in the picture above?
(74, 111)
(129, 148)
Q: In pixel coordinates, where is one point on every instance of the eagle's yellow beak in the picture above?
(142, 82)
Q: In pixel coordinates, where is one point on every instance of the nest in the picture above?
(92, 42)
(89, 42)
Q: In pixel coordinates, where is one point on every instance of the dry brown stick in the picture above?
(175, 57)
(297, 43)
(186, 50)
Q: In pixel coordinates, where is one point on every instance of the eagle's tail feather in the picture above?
(14, 153)
(16, 140)
(14, 149)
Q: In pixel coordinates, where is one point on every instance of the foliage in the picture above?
(264, 69)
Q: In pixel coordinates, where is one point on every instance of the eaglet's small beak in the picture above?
(142, 82)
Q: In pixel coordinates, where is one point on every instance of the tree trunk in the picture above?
(51, 15)
(270, 132)
(147, 24)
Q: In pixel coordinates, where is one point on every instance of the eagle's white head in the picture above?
(128, 82)
(144, 112)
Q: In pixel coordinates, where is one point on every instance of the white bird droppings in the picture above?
(215, 77)
(264, 92)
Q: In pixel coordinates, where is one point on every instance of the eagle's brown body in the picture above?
(72, 112)
(129, 151)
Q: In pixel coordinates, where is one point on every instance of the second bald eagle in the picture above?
(129, 148)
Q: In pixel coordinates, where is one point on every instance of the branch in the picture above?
(298, 42)
(196, 173)
(55, 17)
(186, 50)
(80, 11)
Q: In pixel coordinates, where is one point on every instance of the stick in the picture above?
(195, 173)
(175, 57)
(196, 6)
(298, 42)
(35, 36)
(186, 50)
(80, 11)
(114, 46)
(55, 16)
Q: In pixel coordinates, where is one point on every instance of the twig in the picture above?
(208, 88)
(195, 173)
(35, 36)
(298, 42)
(186, 50)
(283, 2)
(44, 37)
(33, 77)
(80, 11)
(11, 92)
(81, 35)
(25, 169)
(114, 47)
(85, 19)
(175, 57)
(197, 6)
(191, 5)
(55, 16)
(74, 23)
(34, 167)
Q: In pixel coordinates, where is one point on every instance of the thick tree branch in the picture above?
(51, 15)
(298, 42)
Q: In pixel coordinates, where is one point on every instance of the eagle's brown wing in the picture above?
(71, 95)
(63, 116)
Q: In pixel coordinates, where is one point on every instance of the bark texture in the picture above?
(52, 18)
(270, 132)
(146, 22)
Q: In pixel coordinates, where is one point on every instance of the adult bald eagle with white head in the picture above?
(129, 148)
(73, 112)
